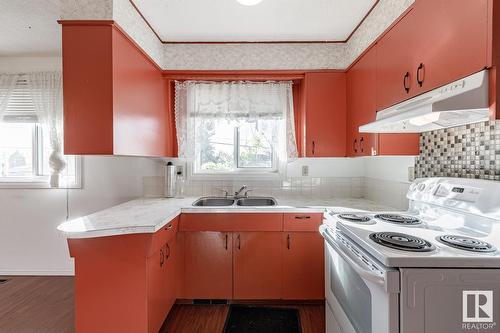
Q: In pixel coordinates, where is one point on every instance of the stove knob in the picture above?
(421, 187)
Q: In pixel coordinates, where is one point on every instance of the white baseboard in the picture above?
(36, 273)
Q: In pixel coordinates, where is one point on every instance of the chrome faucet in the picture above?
(237, 193)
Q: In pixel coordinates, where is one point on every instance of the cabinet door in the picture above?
(325, 108)
(170, 275)
(257, 265)
(395, 59)
(452, 40)
(362, 105)
(303, 266)
(208, 265)
(157, 290)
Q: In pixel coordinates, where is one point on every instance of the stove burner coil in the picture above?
(398, 219)
(403, 242)
(466, 243)
(355, 218)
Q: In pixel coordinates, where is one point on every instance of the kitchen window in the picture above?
(231, 146)
(27, 157)
(228, 128)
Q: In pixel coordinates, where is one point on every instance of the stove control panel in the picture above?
(473, 196)
(460, 193)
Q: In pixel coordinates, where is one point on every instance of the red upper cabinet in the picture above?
(324, 98)
(395, 72)
(257, 265)
(362, 109)
(362, 105)
(451, 41)
(115, 98)
(435, 43)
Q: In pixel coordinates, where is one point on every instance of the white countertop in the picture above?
(148, 215)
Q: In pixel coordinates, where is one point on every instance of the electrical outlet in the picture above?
(305, 170)
(411, 174)
(180, 168)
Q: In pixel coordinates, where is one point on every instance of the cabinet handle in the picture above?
(162, 257)
(239, 242)
(225, 242)
(168, 248)
(288, 241)
(405, 82)
(302, 217)
(313, 147)
(169, 226)
(354, 145)
(361, 145)
(421, 68)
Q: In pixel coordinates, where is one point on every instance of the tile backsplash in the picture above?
(292, 187)
(388, 193)
(470, 151)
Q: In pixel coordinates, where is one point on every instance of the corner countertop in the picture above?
(148, 215)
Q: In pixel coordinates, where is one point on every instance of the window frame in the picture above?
(39, 180)
(195, 167)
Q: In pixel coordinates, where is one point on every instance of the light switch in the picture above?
(305, 170)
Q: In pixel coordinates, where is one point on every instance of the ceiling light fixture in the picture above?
(249, 2)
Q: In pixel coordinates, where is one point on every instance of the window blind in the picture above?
(20, 107)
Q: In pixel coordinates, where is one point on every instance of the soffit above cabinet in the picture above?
(267, 21)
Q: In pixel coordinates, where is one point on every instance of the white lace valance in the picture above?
(235, 101)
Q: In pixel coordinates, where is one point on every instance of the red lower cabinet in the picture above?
(161, 285)
(303, 266)
(208, 267)
(129, 283)
(124, 283)
(257, 265)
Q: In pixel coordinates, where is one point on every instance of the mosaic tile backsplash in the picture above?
(470, 151)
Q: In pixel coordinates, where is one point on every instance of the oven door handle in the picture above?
(365, 274)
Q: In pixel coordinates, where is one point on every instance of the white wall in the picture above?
(386, 180)
(327, 167)
(390, 168)
(29, 241)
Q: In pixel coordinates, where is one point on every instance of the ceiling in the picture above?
(29, 28)
(270, 20)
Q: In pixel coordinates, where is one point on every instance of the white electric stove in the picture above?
(434, 268)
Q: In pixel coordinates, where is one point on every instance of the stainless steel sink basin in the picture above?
(213, 201)
(225, 202)
(256, 201)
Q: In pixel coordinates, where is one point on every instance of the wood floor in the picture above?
(37, 304)
(46, 305)
(211, 318)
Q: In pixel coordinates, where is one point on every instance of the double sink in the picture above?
(225, 202)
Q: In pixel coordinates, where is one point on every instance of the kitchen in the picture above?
(334, 168)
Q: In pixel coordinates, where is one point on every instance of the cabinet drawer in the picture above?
(226, 222)
(164, 235)
(302, 221)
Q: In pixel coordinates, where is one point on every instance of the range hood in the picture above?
(462, 102)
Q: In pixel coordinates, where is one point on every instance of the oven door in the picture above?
(362, 295)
